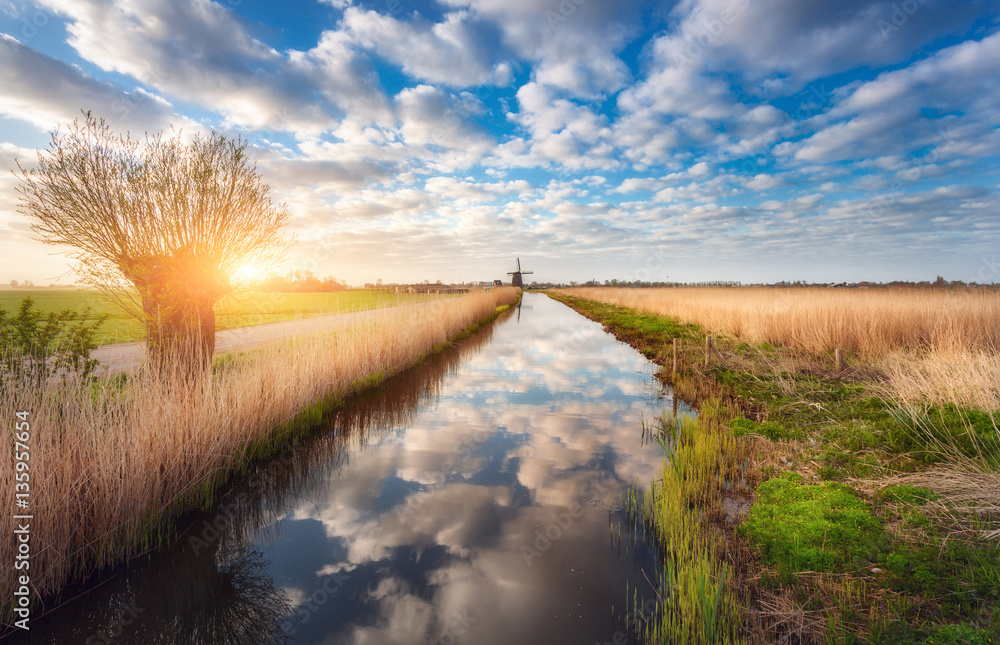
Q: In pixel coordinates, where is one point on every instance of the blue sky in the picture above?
(751, 140)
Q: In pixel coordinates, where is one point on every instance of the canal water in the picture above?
(478, 498)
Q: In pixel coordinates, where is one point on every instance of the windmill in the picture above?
(516, 281)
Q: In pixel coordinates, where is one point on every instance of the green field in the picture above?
(245, 309)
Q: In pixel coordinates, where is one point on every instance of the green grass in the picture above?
(648, 333)
(905, 494)
(246, 309)
(697, 603)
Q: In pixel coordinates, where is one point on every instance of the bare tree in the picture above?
(159, 225)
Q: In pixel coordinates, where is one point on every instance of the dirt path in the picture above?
(122, 357)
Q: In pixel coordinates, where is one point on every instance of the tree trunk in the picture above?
(178, 296)
(178, 293)
(182, 336)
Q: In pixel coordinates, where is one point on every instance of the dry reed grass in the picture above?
(109, 463)
(933, 345)
(869, 322)
(969, 379)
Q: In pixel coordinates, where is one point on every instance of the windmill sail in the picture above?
(516, 280)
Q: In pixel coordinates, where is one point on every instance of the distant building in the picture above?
(435, 288)
(498, 283)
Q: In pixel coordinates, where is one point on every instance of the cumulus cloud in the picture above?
(454, 52)
(47, 92)
(562, 132)
(573, 49)
(788, 42)
(939, 103)
(432, 118)
(197, 51)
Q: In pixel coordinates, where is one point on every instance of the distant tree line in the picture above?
(939, 283)
(300, 281)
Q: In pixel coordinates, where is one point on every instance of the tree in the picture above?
(159, 225)
(13, 284)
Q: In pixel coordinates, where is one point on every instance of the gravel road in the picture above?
(122, 357)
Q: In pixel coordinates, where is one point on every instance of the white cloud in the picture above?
(887, 115)
(197, 51)
(561, 131)
(453, 52)
(47, 92)
(704, 119)
(575, 52)
(432, 118)
(764, 182)
(790, 42)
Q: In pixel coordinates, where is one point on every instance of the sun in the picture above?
(248, 273)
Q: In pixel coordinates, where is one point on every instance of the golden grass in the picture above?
(933, 345)
(969, 379)
(109, 464)
(867, 322)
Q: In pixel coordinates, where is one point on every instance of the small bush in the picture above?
(810, 527)
(35, 346)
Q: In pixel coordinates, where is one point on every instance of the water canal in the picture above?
(474, 499)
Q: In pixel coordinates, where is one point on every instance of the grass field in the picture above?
(250, 308)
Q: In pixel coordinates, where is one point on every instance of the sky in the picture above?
(747, 140)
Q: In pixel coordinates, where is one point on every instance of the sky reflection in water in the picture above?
(471, 501)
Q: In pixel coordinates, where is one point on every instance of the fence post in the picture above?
(676, 357)
(708, 350)
(839, 356)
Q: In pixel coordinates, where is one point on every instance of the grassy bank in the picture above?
(114, 462)
(875, 513)
(242, 310)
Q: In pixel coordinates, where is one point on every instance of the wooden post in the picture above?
(676, 357)
(839, 356)
(708, 350)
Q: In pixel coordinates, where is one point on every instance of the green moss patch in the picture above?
(801, 527)
(770, 429)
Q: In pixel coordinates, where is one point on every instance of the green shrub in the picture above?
(802, 527)
(34, 345)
